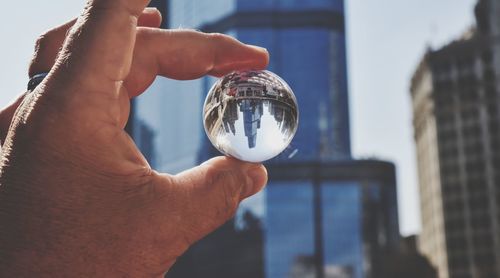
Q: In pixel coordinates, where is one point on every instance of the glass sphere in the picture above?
(251, 115)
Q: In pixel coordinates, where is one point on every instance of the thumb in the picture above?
(213, 191)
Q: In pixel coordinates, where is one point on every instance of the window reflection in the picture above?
(342, 216)
(289, 226)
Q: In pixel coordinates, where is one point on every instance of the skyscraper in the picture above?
(306, 40)
(342, 214)
(456, 103)
(319, 203)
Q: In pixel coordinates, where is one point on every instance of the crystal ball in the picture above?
(251, 115)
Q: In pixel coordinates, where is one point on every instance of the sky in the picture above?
(386, 39)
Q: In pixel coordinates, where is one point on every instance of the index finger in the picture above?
(188, 54)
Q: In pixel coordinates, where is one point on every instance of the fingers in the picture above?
(150, 17)
(99, 48)
(213, 192)
(87, 78)
(47, 48)
(49, 44)
(188, 54)
(214, 54)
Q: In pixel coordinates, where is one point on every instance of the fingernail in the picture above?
(258, 48)
(151, 10)
(258, 175)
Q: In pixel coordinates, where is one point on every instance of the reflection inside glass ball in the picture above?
(250, 115)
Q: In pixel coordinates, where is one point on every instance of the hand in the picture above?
(77, 199)
(46, 52)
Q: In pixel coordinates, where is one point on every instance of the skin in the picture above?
(77, 198)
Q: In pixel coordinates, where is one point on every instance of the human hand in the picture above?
(76, 196)
(47, 49)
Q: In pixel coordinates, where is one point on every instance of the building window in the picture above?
(284, 245)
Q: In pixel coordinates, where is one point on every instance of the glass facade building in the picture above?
(322, 211)
(307, 46)
(347, 224)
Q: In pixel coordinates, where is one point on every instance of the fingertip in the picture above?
(258, 175)
(240, 56)
(148, 10)
(258, 48)
(150, 17)
(219, 160)
(262, 56)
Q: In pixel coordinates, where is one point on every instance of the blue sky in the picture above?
(386, 40)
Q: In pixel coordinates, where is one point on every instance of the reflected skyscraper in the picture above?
(252, 113)
(229, 119)
(319, 204)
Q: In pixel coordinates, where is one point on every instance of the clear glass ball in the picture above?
(251, 115)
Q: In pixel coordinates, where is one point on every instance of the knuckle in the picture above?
(217, 36)
(216, 42)
(46, 41)
(40, 60)
(100, 9)
(40, 45)
(217, 39)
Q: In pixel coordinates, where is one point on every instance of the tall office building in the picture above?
(456, 104)
(342, 215)
(306, 40)
(344, 231)
(321, 208)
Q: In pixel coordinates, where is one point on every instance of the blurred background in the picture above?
(397, 164)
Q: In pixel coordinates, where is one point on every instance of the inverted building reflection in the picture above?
(246, 98)
(252, 114)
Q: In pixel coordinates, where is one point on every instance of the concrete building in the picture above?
(456, 106)
(406, 261)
